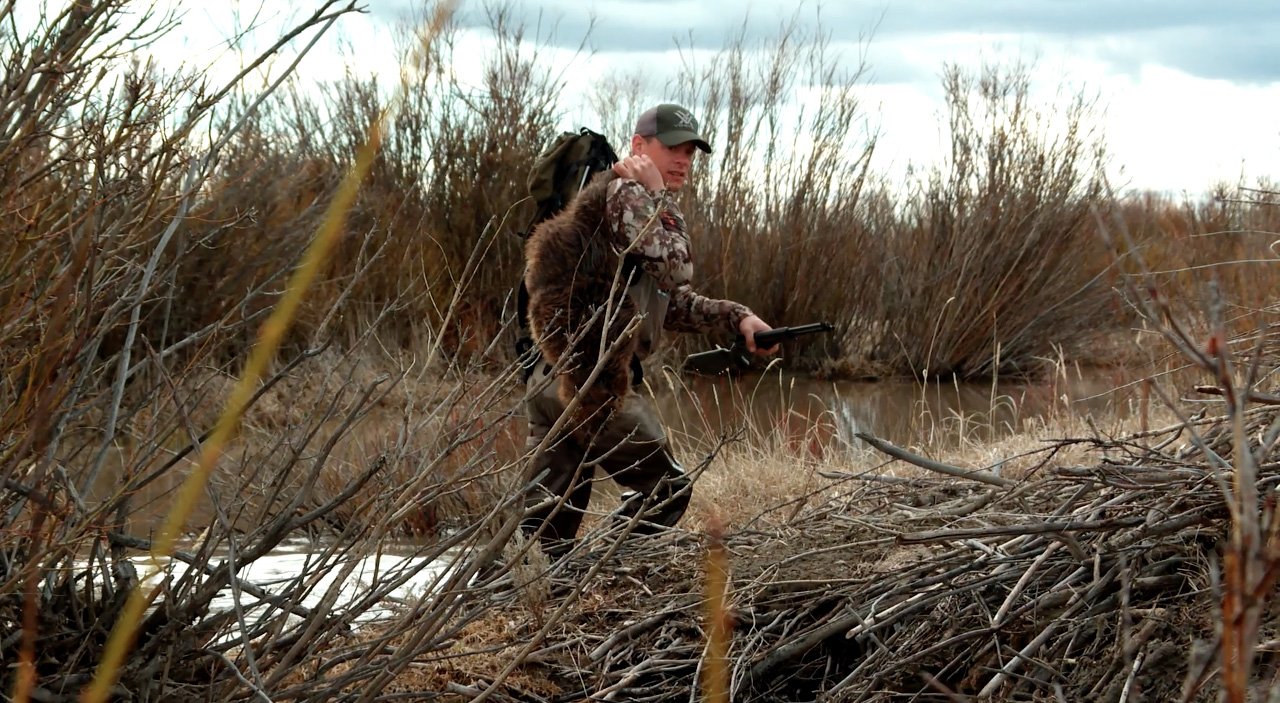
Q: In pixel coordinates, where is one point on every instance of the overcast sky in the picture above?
(1191, 90)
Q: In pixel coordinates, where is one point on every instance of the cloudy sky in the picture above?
(1190, 91)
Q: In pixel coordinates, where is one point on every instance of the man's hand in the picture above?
(748, 328)
(642, 169)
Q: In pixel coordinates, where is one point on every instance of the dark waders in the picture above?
(632, 449)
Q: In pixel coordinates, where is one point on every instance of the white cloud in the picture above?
(1167, 126)
(1177, 132)
(1166, 129)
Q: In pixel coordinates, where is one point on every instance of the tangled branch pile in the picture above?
(1077, 583)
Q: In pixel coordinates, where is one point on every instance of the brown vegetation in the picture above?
(141, 256)
(1139, 566)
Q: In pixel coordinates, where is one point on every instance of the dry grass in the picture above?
(772, 473)
(777, 453)
(451, 672)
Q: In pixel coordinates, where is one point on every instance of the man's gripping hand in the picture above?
(749, 326)
(642, 169)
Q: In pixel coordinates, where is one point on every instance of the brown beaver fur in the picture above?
(570, 269)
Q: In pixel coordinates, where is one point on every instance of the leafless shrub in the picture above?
(1236, 451)
(995, 262)
(130, 285)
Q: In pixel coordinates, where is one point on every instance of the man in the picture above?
(638, 215)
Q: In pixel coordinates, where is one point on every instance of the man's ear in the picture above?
(637, 145)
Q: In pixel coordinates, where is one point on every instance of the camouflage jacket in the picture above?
(651, 226)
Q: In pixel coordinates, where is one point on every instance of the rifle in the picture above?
(718, 361)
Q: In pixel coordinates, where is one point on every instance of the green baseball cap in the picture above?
(672, 125)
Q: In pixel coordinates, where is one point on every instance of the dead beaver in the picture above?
(571, 268)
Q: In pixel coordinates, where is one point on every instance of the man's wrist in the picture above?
(737, 315)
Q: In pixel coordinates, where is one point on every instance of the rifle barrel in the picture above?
(720, 360)
(811, 328)
(766, 339)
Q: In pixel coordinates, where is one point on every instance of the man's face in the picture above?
(673, 162)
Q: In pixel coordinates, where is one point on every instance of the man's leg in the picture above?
(561, 462)
(639, 458)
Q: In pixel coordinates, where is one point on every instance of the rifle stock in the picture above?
(718, 361)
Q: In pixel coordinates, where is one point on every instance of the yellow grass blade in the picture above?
(25, 681)
(269, 338)
(715, 687)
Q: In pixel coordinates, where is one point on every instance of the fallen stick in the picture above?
(635, 629)
(1252, 395)
(900, 453)
(1028, 651)
(1033, 528)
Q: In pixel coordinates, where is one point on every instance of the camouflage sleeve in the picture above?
(653, 228)
(635, 215)
(691, 312)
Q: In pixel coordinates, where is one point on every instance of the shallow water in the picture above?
(297, 558)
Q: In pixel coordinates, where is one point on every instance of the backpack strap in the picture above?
(524, 341)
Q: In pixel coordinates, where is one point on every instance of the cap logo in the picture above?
(684, 120)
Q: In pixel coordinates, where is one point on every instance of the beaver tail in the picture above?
(603, 396)
(600, 400)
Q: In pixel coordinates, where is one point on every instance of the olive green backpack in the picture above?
(556, 177)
